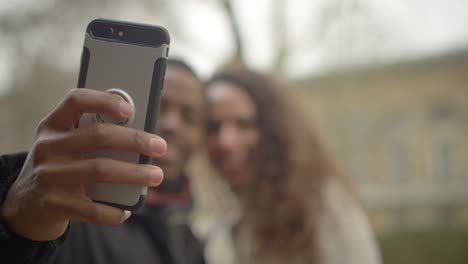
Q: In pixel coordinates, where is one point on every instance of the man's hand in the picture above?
(51, 188)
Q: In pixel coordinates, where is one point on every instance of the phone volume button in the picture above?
(163, 76)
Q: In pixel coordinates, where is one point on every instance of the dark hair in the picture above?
(183, 65)
(283, 201)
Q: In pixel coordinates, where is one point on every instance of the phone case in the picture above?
(134, 67)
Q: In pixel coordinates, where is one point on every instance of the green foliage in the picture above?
(439, 245)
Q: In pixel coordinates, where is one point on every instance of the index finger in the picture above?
(81, 100)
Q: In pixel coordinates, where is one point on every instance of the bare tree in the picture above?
(235, 30)
(280, 29)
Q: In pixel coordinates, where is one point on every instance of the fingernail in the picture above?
(126, 109)
(156, 176)
(158, 145)
(127, 215)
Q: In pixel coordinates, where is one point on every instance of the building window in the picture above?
(399, 133)
(444, 142)
(357, 148)
(400, 162)
(443, 167)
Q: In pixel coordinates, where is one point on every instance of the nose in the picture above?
(228, 138)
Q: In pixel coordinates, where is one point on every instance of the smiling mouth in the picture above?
(230, 165)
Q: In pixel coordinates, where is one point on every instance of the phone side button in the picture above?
(163, 76)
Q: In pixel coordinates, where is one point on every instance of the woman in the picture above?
(296, 206)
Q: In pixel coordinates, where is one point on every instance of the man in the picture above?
(36, 209)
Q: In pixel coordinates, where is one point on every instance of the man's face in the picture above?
(180, 120)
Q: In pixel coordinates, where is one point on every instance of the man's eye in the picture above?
(212, 127)
(162, 106)
(191, 116)
(245, 123)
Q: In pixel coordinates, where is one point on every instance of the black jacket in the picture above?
(159, 234)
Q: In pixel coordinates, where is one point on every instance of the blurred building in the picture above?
(401, 132)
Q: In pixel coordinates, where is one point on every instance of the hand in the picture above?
(51, 188)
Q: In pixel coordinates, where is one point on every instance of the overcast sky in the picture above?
(379, 31)
(407, 28)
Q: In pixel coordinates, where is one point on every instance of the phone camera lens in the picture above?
(103, 31)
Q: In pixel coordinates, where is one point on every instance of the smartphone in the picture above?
(129, 60)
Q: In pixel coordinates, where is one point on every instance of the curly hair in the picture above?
(282, 202)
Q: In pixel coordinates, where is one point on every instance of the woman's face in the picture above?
(232, 132)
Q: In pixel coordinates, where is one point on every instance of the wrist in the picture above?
(28, 224)
(36, 230)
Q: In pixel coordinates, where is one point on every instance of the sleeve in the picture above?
(10, 167)
(345, 234)
(15, 248)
